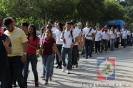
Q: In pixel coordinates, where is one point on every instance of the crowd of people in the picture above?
(56, 42)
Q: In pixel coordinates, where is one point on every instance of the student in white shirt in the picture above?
(124, 37)
(98, 35)
(59, 43)
(88, 34)
(42, 34)
(68, 39)
(53, 27)
(112, 37)
(105, 38)
(75, 51)
(118, 35)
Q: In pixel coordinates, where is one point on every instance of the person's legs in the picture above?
(43, 73)
(63, 53)
(98, 46)
(69, 52)
(17, 70)
(90, 47)
(86, 48)
(111, 44)
(60, 62)
(10, 71)
(26, 66)
(4, 77)
(33, 61)
(95, 46)
(48, 65)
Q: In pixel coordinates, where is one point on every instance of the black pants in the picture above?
(88, 47)
(4, 77)
(75, 55)
(16, 67)
(117, 43)
(97, 46)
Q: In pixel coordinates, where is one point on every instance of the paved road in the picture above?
(86, 75)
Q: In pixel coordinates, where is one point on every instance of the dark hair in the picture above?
(49, 27)
(50, 31)
(34, 32)
(7, 21)
(25, 24)
(61, 26)
(14, 18)
(52, 22)
(42, 29)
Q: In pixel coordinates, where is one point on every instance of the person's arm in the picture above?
(56, 50)
(7, 44)
(24, 42)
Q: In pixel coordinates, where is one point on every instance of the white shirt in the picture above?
(68, 38)
(112, 35)
(78, 32)
(58, 34)
(104, 35)
(97, 35)
(86, 32)
(54, 29)
(118, 34)
(132, 34)
(124, 34)
(41, 37)
(129, 33)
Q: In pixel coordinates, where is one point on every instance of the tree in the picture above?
(90, 10)
(113, 10)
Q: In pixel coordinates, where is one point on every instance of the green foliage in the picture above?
(40, 11)
(113, 10)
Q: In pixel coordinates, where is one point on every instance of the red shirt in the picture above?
(48, 46)
(33, 43)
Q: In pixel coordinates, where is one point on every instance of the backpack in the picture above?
(90, 30)
(71, 32)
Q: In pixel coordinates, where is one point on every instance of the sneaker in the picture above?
(67, 71)
(45, 83)
(36, 84)
(64, 68)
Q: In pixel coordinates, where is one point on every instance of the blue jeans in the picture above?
(33, 59)
(65, 51)
(4, 77)
(104, 44)
(57, 59)
(15, 69)
(124, 43)
(112, 44)
(48, 65)
(43, 72)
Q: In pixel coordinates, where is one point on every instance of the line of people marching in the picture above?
(56, 41)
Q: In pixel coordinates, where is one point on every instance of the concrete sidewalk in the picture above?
(85, 75)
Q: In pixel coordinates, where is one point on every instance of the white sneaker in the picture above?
(67, 71)
(63, 69)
